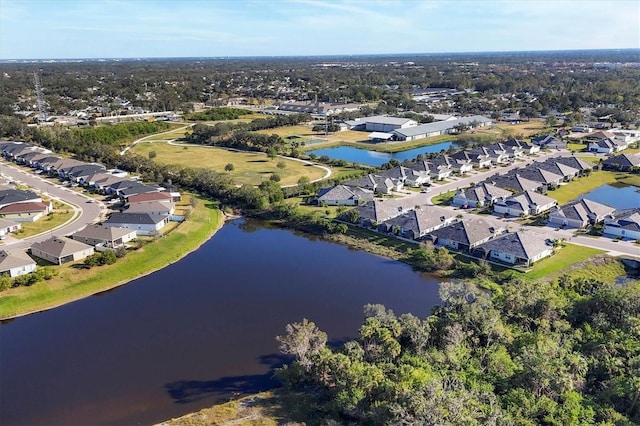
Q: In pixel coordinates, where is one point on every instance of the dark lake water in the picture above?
(374, 158)
(194, 333)
(620, 197)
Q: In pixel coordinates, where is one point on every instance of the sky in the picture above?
(40, 29)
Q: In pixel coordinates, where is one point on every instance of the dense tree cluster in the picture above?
(216, 114)
(558, 353)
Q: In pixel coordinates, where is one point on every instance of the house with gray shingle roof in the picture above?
(16, 263)
(526, 147)
(515, 183)
(580, 213)
(12, 196)
(341, 195)
(61, 250)
(623, 162)
(567, 172)
(8, 226)
(407, 176)
(574, 162)
(517, 248)
(482, 194)
(546, 178)
(142, 223)
(153, 207)
(378, 211)
(417, 223)
(477, 159)
(524, 204)
(435, 171)
(623, 223)
(549, 142)
(104, 236)
(376, 183)
(467, 234)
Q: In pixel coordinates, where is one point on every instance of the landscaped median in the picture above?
(72, 283)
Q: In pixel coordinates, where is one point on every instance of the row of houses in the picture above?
(481, 237)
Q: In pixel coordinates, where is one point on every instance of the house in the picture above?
(514, 182)
(103, 236)
(467, 234)
(417, 223)
(125, 193)
(513, 151)
(153, 207)
(30, 158)
(495, 154)
(482, 194)
(142, 223)
(525, 147)
(567, 172)
(376, 183)
(409, 177)
(12, 196)
(623, 162)
(478, 159)
(341, 195)
(119, 184)
(435, 171)
(549, 142)
(623, 223)
(605, 142)
(460, 164)
(582, 166)
(517, 248)
(77, 173)
(580, 213)
(150, 196)
(15, 263)
(8, 226)
(61, 250)
(546, 178)
(524, 204)
(25, 212)
(378, 211)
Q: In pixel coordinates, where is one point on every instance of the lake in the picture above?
(374, 158)
(195, 333)
(620, 197)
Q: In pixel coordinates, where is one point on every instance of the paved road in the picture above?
(85, 212)
(603, 243)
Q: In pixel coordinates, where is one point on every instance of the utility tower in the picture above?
(41, 107)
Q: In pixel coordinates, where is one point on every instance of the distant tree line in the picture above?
(217, 114)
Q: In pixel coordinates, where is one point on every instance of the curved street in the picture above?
(86, 209)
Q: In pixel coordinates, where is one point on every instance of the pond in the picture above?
(195, 333)
(620, 197)
(374, 158)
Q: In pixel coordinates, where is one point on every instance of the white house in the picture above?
(15, 263)
(624, 223)
(142, 223)
(61, 250)
(524, 204)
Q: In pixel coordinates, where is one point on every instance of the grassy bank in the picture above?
(596, 179)
(72, 283)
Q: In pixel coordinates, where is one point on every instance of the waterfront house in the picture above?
(341, 195)
(582, 166)
(580, 213)
(103, 236)
(436, 171)
(409, 177)
(61, 250)
(142, 223)
(525, 147)
(15, 263)
(517, 248)
(467, 234)
(549, 142)
(623, 223)
(417, 223)
(567, 172)
(376, 183)
(622, 162)
(378, 211)
(153, 207)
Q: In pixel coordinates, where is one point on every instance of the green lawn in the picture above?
(443, 199)
(596, 179)
(561, 261)
(72, 283)
(250, 168)
(61, 214)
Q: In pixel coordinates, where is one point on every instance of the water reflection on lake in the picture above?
(375, 158)
(620, 197)
(194, 333)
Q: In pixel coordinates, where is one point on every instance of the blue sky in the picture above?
(183, 28)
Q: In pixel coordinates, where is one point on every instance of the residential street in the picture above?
(86, 210)
(627, 248)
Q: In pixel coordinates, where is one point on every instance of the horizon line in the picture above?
(328, 55)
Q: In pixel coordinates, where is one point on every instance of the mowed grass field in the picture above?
(574, 189)
(250, 168)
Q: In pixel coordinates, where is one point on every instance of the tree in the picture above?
(229, 167)
(281, 164)
(152, 155)
(550, 121)
(303, 340)
(272, 154)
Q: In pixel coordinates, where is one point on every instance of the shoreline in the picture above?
(223, 219)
